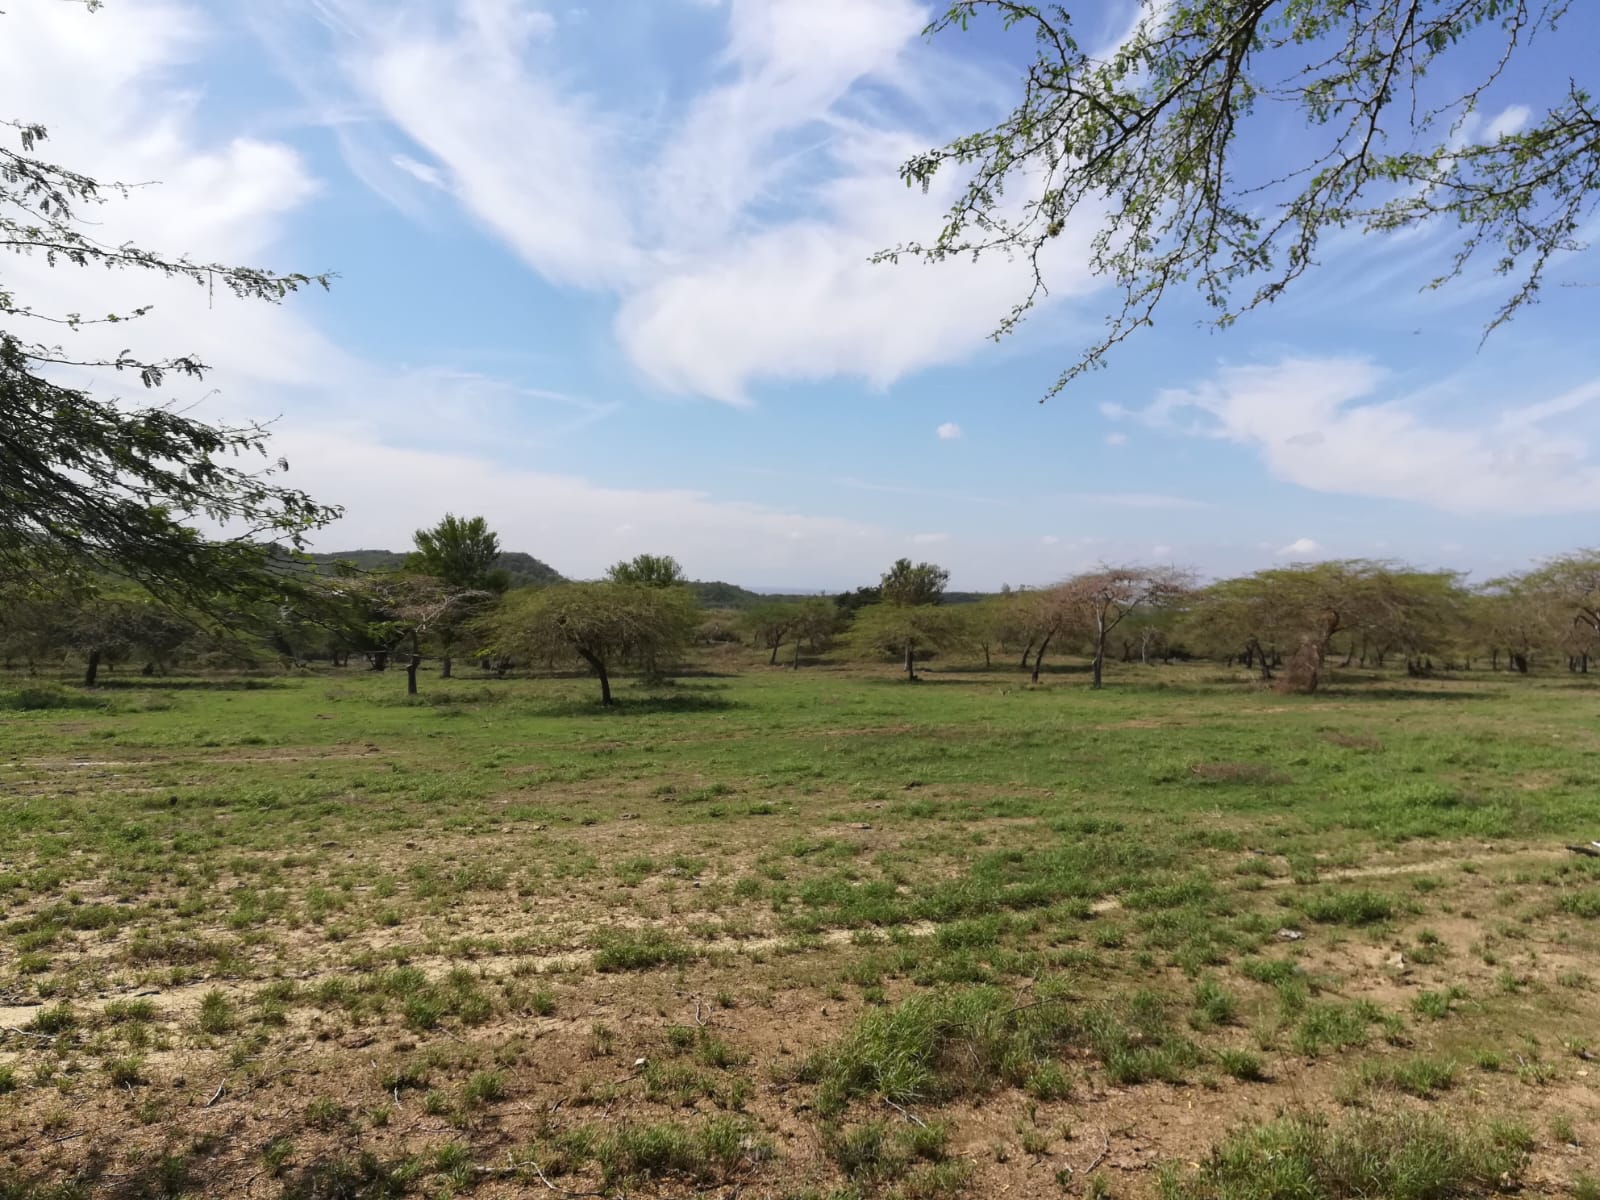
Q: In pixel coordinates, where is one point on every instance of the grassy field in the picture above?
(800, 935)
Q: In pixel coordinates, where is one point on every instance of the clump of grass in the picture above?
(484, 1087)
(1332, 1026)
(1396, 1155)
(1422, 1077)
(639, 950)
(705, 1154)
(1242, 1065)
(1582, 904)
(1213, 1005)
(119, 1012)
(943, 1044)
(216, 1012)
(876, 1152)
(125, 1072)
(55, 1020)
(8, 1079)
(1359, 907)
(1437, 1005)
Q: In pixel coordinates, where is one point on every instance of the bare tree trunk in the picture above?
(1038, 659)
(986, 663)
(444, 667)
(599, 667)
(412, 664)
(795, 664)
(380, 660)
(1519, 663)
(92, 671)
(911, 662)
(773, 661)
(1099, 649)
(1027, 650)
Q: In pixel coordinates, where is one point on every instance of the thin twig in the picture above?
(1105, 1149)
(43, 1037)
(215, 1096)
(511, 1168)
(906, 1113)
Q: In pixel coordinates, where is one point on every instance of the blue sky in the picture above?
(603, 279)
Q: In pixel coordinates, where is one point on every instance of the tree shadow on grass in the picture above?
(158, 683)
(638, 706)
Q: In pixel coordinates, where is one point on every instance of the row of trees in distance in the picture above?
(449, 599)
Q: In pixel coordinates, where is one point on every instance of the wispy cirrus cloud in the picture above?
(734, 224)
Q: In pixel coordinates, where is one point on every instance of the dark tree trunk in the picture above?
(911, 662)
(380, 660)
(1583, 663)
(794, 664)
(1026, 651)
(599, 669)
(986, 663)
(1494, 659)
(773, 661)
(412, 664)
(444, 667)
(1127, 650)
(1266, 664)
(92, 671)
(1099, 651)
(1249, 659)
(1038, 659)
(1519, 663)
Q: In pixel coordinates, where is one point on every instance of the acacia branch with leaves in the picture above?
(1142, 140)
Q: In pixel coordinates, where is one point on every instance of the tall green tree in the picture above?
(907, 583)
(90, 486)
(909, 590)
(461, 552)
(1145, 142)
(648, 570)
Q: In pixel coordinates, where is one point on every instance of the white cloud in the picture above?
(1116, 439)
(421, 172)
(1510, 120)
(929, 539)
(1049, 539)
(1300, 548)
(680, 211)
(949, 432)
(1317, 423)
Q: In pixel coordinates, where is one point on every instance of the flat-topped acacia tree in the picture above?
(605, 625)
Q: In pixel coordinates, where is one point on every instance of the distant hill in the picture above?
(716, 594)
(525, 570)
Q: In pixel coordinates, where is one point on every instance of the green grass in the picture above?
(1398, 1156)
(964, 893)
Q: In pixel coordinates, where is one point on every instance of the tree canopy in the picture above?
(603, 624)
(908, 583)
(1143, 140)
(462, 552)
(89, 486)
(648, 570)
